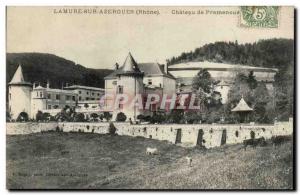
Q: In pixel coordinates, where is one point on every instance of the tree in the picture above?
(112, 129)
(79, 117)
(121, 117)
(192, 116)
(8, 117)
(107, 116)
(204, 81)
(23, 117)
(176, 116)
(157, 118)
(39, 116)
(94, 116)
(252, 82)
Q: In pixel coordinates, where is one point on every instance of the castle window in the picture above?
(149, 81)
(93, 94)
(49, 96)
(73, 98)
(120, 89)
(41, 94)
(87, 98)
(79, 92)
(57, 97)
(87, 93)
(98, 94)
(68, 97)
(79, 98)
(114, 82)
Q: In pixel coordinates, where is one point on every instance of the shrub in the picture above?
(39, 116)
(140, 117)
(121, 117)
(94, 116)
(157, 118)
(23, 117)
(112, 129)
(79, 117)
(107, 116)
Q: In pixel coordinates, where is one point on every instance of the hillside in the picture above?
(270, 53)
(40, 67)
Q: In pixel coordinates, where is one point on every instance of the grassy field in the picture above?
(80, 161)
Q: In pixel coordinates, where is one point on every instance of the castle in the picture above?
(132, 79)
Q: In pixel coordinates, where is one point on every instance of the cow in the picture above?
(151, 151)
(278, 140)
(254, 142)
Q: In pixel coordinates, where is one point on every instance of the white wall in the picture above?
(19, 100)
(169, 132)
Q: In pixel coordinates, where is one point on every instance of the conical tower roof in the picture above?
(242, 106)
(18, 78)
(130, 64)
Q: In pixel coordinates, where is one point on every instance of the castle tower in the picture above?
(130, 82)
(19, 95)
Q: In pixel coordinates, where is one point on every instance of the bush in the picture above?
(112, 129)
(121, 117)
(23, 117)
(140, 117)
(157, 118)
(94, 116)
(79, 117)
(107, 116)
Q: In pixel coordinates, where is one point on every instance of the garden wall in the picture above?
(29, 127)
(181, 134)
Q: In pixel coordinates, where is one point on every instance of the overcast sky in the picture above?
(99, 41)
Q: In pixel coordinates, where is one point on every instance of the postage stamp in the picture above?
(259, 16)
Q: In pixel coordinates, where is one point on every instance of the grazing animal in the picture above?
(151, 151)
(189, 160)
(277, 140)
(254, 142)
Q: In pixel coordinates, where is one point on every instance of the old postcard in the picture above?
(150, 98)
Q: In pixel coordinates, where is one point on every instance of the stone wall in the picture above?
(181, 134)
(29, 127)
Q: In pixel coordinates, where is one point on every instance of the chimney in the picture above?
(34, 85)
(48, 84)
(117, 66)
(166, 68)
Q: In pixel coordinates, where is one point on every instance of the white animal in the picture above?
(189, 160)
(151, 151)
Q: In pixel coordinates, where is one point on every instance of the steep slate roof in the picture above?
(149, 69)
(242, 106)
(18, 78)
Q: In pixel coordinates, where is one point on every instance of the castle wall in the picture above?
(181, 134)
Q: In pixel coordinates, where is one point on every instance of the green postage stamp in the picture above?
(259, 16)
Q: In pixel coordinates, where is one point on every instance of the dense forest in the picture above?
(40, 67)
(271, 53)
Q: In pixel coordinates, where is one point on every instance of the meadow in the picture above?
(57, 160)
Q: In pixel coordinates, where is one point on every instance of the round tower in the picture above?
(19, 95)
(130, 82)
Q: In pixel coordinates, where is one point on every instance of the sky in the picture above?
(99, 40)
